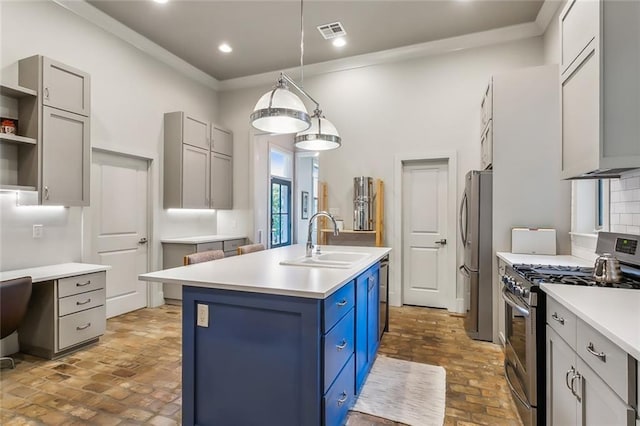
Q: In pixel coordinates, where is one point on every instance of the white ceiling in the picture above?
(265, 35)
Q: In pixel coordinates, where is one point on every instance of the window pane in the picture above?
(275, 229)
(284, 194)
(285, 228)
(275, 198)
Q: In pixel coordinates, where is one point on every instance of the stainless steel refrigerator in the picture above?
(475, 231)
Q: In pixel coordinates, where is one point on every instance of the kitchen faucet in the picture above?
(309, 243)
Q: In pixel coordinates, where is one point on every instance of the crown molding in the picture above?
(546, 13)
(431, 48)
(107, 23)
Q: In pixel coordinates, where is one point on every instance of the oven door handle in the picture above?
(511, 301)
(522, 400)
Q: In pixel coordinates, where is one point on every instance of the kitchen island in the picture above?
(266, 343)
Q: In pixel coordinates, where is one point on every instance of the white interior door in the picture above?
(425, 246)
(119, 215)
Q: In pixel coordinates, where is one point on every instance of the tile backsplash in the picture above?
(625, 203)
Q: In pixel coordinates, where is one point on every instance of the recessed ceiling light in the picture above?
(225, 48)
(161, 1)
(339, 42)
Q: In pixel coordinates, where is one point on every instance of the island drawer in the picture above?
(233, 244)
(608, 360)
(80, 302)
(338, 304)
(209, 246)
(81, 326)
(338, 346)
(80, 284)
(339, 398)
(562, 321)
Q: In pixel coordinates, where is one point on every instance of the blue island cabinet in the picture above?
(261, 359)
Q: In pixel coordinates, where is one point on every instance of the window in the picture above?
(280, 212)
(590, 207)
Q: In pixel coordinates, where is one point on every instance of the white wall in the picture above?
(552, 38)
(130, 92)
(424, 105)
(303, 182)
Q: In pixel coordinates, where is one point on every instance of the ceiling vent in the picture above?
(332, 30)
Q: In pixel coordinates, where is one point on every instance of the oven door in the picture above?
(520, 351)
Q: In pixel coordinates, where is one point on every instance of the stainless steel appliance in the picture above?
(384, 296)
(475, 231)
(362, 203)
(525, 314)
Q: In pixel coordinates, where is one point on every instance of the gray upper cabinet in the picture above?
(65, 87)
(58, 119)
(600, 88)
(198, 163)
(221, 140)
(65, 158)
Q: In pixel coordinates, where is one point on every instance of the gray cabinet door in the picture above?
(65, 158)
(195, 132)
(195, 178)
(561, 366)
(221, 181)
(221, 141)
(65, 87)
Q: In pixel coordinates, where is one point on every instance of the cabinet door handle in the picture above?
(342, 345)
(83, 327)
(342, 303)
(343, 398)
(577, 376)
(557, 318)
(46, 93)
(600, 355)
(372, 282)
(46, 192)
(83, 303)
(571, 371)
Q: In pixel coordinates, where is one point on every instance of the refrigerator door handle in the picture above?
(463, 208)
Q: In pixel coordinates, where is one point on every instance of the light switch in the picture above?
(202, 319)
(38, 230)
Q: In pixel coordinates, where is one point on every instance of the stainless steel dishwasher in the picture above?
(384, 296)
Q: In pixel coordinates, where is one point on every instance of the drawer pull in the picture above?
(83, 303)
(83, 284)
(83, 327)
(342, 345)
(600, 355)
(343, 302)
(343, 398)
(571, 371)
(557, 318)
(577, 376)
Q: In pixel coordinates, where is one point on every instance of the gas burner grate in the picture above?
(569, 275)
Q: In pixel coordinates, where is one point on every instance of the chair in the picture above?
(203, 256)
(14, 300)
(250, 248)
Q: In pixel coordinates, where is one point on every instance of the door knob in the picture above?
(142, 241)
(442, 241)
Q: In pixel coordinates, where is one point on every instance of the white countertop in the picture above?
(53, 272)
(202, 239)
(614, 312)
(541, 259)
(261, 272)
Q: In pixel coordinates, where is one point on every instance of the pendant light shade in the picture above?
(280, 111)
(321, 136)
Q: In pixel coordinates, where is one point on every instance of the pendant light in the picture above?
(281, 111)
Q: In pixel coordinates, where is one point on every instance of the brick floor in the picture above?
(132, 376)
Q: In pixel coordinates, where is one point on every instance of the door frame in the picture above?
(281, 181)
(450, 157)
(154, 290)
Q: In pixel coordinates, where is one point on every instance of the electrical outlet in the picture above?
(38, 230)
(203, 315)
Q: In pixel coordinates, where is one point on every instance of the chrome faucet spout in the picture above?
(309, 250)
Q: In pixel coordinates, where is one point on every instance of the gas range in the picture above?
(569, 275)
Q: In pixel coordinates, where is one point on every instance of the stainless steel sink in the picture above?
(332, 259)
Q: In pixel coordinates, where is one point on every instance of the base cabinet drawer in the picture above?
(340, 397)
(209, 246)
(233, 244)
(81, 284)
(338, 347)
(562, 321)
(81, 302)
(337, 305)
(79, 327)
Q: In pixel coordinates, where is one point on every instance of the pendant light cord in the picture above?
(302, 43)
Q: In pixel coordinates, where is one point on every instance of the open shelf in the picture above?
(10, 137)
(348, 231)
(16, 91)
(16, 188)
